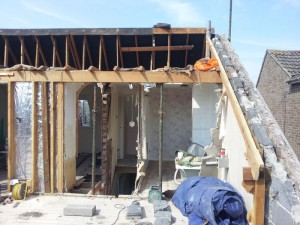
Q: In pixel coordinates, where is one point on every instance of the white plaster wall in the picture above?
(70, 121)
(234, 144)
(204, 112)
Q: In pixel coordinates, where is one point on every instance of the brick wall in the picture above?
(282, 99)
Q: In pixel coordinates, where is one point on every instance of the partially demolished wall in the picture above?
(283, 191)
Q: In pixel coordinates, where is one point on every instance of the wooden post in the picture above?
(67, 51)
(186, 52)
(208, 36)
(6, 52)
(54, 51)
(22, 50)
(137, 53)
(169, 50)
(60, 137)
(46, 159)
(52, 136)
(83, 53)
(34, 136)
(161, 133)
(37, 49)
(100, 54)
(94, 138)
(11, 134)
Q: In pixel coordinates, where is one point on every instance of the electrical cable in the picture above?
(121, 207)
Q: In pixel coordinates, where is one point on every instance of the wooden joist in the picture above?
(113, 77)
(157, 48)
(25, 50)
(11, 134)
(40, 50)
(52, 136)
(137, 53)
(60, 137)
(45, 125)
(8, 49)
(89, 51)
(34, 136)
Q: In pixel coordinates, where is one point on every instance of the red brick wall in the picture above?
(282, 99)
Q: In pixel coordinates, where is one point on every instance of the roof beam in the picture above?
(25, 50)
(180, 31)
(54, 43)
(120, 52)
(100, 53)
(89, 51)
(75, 52)
(7, 49)
(157, 48)
(111, 76)
(104, 53)
(41, 51)
(186, 52)
(137, 53)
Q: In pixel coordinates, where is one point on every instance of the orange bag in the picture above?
(206, 64)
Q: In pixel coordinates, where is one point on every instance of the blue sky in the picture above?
(257, 25)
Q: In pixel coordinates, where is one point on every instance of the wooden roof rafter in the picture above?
(88, 50)
(8, 51)
(39, 51)
(137, 53)
(23, 46)
(56, 54)
(74, 52)
(104, 52)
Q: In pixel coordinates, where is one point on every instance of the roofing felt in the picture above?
(288, 60)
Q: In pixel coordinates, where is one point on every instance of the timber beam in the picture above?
(110, 76)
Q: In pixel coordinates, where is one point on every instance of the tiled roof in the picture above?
(288, 60)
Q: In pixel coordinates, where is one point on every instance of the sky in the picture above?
(256, 25)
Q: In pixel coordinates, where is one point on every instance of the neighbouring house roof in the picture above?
(289, 62)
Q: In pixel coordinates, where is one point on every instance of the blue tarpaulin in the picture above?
(208, 199)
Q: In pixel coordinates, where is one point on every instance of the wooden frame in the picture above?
(34, 136)
(112, 76)
(60, 137)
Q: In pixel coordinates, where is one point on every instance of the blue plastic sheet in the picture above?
(208, 199)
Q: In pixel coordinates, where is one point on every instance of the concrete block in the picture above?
(160, 205)
(80, 210)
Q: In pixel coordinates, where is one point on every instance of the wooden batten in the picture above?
(46, 158)
(60, 137)
(52, 136)
(11, 134)
(34, 136)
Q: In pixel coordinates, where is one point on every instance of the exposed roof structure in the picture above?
(103, 48)
(288, 60)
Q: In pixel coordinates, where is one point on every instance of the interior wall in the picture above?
(177, 120)
(3, 111)
(204, 112)
(70, 121)
(85, 134)
(234, 144)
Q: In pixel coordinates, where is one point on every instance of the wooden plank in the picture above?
(67, 52)
(113, 77)
(83, 54)
(104, 53)
(117, 52)
(41, 52)
(34, 136)
(22, 50)
(157, 48)
(186, 52)
(11, 134)
(7, 49)
(89, 52)
(169, 51)
(5, 52)
(52, 136)
(152, 64)
(252, 153)
(120, 52)
(53, 51)
(258, 212)
(137, 53)
(75, 52)
(46, 159)
(37, 49)
(60, 137)
(179, 31)
(100, 54)
(26, 50)
(54, 43)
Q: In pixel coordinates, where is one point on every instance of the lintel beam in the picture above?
(112, 76)
(157, 48)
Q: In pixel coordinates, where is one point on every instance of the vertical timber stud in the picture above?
(11, 134)
(94, 138)
(67, 51)
(34, 136)
(46, 159)
(161, 125)
(208, 36)
(52, 136)
(6, 52)
(169, 51)
(60, 137)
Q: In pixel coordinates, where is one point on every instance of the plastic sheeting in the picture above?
(23, 112)
(207, 199)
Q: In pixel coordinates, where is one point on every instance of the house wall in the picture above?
(70, 121)
(177, 120)
(282, 99)
(234, 144)
(204, 114)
